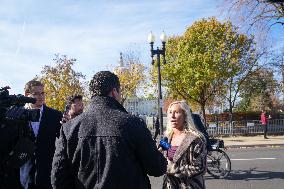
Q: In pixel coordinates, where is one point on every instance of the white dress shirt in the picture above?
(25, 169)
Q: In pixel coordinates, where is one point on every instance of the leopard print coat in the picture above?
(188, 166)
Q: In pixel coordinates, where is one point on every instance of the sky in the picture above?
(92, 31)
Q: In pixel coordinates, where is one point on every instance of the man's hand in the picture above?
(65, 118)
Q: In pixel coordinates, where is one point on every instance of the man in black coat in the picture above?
(105, 147)
(35, 174)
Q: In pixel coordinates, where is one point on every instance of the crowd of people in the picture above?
(103, 146)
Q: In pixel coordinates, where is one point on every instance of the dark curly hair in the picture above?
(103, 82)
(71, 99)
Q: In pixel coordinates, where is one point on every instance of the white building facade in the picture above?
(140, 106)
(135, 105)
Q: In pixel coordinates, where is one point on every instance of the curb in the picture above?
(255, 146)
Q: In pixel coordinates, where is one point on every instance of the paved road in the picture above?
(252, 168)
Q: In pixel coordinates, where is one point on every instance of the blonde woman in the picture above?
(187, 155)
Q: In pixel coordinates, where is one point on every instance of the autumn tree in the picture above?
(202, 59)
(245, 63)
(61, 81)
(167, 94)
(258, 91)
(131, 74)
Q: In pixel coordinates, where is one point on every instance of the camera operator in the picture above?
(16, 145)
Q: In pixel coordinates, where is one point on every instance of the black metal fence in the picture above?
(224, 128)
(248, 127)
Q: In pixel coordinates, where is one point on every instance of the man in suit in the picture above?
(105, 147)
(35, 174)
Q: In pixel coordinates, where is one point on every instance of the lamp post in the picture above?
(158, 52)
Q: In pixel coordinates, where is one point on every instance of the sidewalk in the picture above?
(253, 141)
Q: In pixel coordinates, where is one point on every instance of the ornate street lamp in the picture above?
(158, 52)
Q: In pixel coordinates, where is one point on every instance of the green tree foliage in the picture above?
(245, 63)
(202, 59)
(131, 74)
(61, 81)
(258, 91)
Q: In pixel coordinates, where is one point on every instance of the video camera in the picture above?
(16, 137)
(10, 102)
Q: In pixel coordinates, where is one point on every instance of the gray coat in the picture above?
(188, 166)
(105, 147)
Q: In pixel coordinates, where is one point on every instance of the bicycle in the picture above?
(218, 162)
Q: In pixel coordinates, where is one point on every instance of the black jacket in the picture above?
(105, 147)
(9, 176)
(45, 146)
(49, 129)
(202, 129)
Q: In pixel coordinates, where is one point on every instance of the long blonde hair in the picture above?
(189, 125)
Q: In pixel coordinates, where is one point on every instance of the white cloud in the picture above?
(93, 32)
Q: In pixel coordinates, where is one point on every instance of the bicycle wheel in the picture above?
(218, 163)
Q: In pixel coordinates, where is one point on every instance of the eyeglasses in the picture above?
(38, 94)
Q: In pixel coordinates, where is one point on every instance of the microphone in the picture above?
(164, 144)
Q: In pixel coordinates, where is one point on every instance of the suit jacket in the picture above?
(49, 129)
